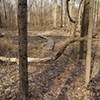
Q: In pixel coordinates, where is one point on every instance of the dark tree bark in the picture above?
(0, 18)
(23, 66)
(62, 13)
(84, 28)
(0, 21)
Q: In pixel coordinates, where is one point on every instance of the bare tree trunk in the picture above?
(95, 14)
(0, 21)
(55, 14)
(23, 66)
(89, 41)
(98, 9)
(4, 7)
(0, 18)
(41, 13)
(72, 4)
(62, 13)
(84, 29)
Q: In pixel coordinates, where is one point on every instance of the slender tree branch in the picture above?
(67, 8)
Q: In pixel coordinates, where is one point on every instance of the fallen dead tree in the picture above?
(30, 60)
(55, 56)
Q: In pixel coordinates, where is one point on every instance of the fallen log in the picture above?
(30, 60)
(46, 59)
(6, 59)
(68, 42)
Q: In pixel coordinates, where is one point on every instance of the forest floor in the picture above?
(63, 79)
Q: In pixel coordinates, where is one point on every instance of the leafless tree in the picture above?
(89, 41)
(23, 66)
(84, 28)
(0, 18)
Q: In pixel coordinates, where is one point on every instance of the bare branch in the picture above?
(67, 8)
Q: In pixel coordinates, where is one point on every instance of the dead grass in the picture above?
(7, 48)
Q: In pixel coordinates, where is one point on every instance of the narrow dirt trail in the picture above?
(58, 84)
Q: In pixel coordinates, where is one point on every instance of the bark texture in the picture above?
(23, 66)
(89, 42)
(84, 28)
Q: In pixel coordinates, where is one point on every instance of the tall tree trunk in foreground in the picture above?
(89, 41)
(84, 28)
(23, 66)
